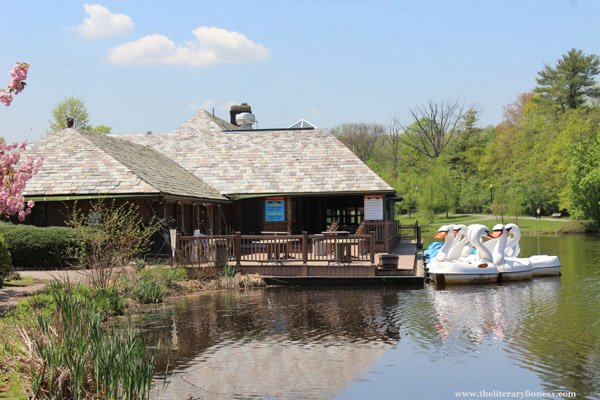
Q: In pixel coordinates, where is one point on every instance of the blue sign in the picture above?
(274, 210)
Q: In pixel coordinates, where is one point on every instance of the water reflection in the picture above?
(357, 343)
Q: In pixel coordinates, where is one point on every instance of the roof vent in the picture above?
(238, 109)
(245, 120)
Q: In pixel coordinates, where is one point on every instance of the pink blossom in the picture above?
(16, 84)
(5, 97)
(14, 174)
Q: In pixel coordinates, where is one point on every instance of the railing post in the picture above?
(304, 247)
(372, 248)
(386, 237)
(237, 249)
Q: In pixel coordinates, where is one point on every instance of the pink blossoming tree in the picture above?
(15, 172)
(16, 84)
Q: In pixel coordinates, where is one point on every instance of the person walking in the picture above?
(538, 213)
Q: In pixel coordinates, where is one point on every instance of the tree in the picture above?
(434, 125)
(70, 107)
(571, 83)
(16, 84)
(584, 176)
(14, 172)
(101, 129)
(361, 138)
(393, 138)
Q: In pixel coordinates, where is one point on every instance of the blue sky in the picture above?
(148, 65)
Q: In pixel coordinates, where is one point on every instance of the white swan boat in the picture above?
(509, 268)
(543, 265)
(445, 232)
(477, 269)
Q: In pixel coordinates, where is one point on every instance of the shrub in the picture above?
(111, 241)
(39, 248)
(5, 260)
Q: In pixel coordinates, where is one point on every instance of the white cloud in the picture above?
(212, 46)
(101, 23)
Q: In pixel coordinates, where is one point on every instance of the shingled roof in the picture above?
(254, 162)
(85, 163)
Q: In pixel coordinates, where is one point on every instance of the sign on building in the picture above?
(274, 209)
(374, 207)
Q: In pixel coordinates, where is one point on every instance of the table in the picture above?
(277, 249)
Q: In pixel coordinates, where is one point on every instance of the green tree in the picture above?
(101, 129)
(73, 107)
(584, 177)
(70, 107)
(571, 82)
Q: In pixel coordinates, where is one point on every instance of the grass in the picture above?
(56, 345)
(64, 333)
(528, 225)
(16, 280)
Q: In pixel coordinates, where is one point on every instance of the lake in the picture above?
(382, 343)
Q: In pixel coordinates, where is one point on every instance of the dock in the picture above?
(408, 272)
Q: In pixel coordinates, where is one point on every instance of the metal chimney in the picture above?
(238, 109)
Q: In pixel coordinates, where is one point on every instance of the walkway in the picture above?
(10, 295)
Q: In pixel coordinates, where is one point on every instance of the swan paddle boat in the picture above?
(440, 254)
(509, 268)
(473, 269)
(543, 265)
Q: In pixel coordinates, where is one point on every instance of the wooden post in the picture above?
(304, 247)
(372, 248)
(418, 235)
(237, 249)
(386, 233)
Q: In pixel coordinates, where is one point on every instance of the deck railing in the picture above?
(410, 232)
(386, 234)
(276, 249)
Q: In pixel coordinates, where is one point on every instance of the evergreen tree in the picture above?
(571, 82)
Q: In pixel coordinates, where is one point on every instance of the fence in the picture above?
(276, 249)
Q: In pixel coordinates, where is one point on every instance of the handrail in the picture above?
(276, 249)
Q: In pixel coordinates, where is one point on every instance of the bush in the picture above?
(5, 260)
(39, 248)
(117, 237)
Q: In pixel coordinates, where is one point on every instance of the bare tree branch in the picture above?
(434, 124)
(361, 138)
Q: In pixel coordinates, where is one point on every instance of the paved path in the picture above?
(10, 295)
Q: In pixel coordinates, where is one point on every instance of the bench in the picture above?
(556, 215)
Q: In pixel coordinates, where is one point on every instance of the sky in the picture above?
(149, 65)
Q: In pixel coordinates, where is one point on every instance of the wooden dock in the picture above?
(314, 259)
(409, 271)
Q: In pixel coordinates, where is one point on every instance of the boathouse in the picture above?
(259, 198)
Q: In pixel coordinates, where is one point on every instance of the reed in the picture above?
(72, 356)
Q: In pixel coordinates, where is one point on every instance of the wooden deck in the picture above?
(310, 259)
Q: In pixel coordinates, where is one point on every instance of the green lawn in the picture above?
(528, 225)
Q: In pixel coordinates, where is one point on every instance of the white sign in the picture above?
(374, 207)
(173, 237)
